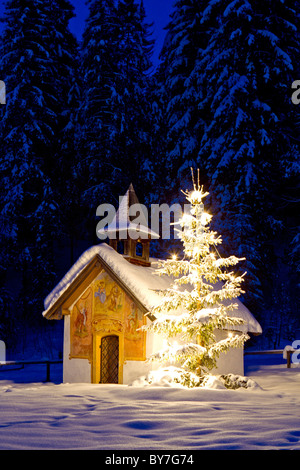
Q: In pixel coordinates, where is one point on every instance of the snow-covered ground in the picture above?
(41, 415)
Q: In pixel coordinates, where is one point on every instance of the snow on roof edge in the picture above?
(69, 277)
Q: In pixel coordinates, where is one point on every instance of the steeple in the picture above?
(129, 233)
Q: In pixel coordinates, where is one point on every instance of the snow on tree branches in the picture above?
(200, 299)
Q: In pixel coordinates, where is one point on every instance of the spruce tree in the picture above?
(34, 63)
(115, 136)
(132, 110)
(181, 122)
(69, 89)
(98, 51)
(199, 300)
(246, 71)
(225, 103)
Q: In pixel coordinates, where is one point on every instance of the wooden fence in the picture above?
(23, 363)
(289, 353)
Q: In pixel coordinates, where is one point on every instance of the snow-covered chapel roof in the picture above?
(142, 283)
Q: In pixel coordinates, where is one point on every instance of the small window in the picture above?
(139, 249)
(120, 247)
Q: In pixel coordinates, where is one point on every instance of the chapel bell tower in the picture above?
(129, 233)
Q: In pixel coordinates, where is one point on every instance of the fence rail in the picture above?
(288, 352)
(23, 363)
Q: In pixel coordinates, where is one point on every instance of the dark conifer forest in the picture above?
(85, 118)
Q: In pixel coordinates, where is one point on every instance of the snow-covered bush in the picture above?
(172, 376)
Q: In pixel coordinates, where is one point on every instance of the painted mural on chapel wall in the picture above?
(81, 326)
(106, 309)
(114, 311)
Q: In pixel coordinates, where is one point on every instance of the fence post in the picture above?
(288, 359)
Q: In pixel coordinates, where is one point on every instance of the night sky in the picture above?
(157, 11)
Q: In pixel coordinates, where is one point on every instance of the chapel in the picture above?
(104, 300)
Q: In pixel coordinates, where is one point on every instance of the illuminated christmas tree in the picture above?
(199, 301)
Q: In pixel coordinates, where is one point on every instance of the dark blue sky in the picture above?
(157, 11)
